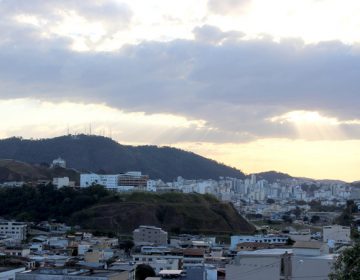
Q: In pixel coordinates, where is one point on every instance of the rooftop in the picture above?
(266, 252)
(307, 244)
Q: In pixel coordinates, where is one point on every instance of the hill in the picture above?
(94, 153)
(13, 170)
(95, 208)
(272, 176)
(174, 212)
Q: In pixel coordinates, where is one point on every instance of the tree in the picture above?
(270, 201)
(143, 271)
(347, 265)
(315, 219)
(126, 245)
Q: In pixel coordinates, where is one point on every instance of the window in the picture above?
(282, 267)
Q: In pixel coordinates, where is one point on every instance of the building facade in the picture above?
(337, 233)
(13, 230)
(150, 235)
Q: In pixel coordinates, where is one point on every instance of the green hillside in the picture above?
(94, 153)
(95, 208)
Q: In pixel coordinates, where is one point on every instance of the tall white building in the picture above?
(108, 181)
(120, 182)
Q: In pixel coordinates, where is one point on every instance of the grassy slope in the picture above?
(172, 211)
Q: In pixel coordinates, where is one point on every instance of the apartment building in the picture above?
(132, 180)
(14, 230)
(150, 235)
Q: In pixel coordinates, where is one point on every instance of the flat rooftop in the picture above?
(265, 252)
(72, 272)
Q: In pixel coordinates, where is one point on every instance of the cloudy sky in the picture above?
(256, 84)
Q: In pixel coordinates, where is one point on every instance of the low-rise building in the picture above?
(269, 239)
(59, 162)
(271, 264)
(8, 273)
(17, 251)
(150, 235)
(69, 274)
(60, 182)
(159, 262)
(337, 233)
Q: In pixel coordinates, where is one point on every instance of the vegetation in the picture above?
(346, 217)
(95, 153)
(12, 170)
(112, 213)
(272, 176)
(46, 202)
(347, 265)
(143, 271)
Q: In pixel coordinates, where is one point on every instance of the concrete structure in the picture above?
(14, 230)
(270, 239)
(68, 274)
(133, 179)
(337, 233)
(17, 251)
(159, 262)
(59, 162)
(272, 264)
(129, 181)
(310, 248)
(150, 235)
(193, 257)
(61, 182)
(312, 267)
(108, 181)
(201, 272)
(8, 273)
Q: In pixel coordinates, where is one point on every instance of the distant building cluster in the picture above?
(129, 181)
(55, 251)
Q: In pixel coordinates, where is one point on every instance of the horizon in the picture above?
(160, 146)
(258, 85)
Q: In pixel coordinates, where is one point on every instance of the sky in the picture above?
(256, 84)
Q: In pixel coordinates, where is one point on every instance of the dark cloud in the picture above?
(235, 86)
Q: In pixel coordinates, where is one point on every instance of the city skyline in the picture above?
(256, 85)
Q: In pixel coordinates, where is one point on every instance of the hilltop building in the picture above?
(128, 181)
(60, 182)
(59, 162)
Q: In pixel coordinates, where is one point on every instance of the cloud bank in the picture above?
(237, 87)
